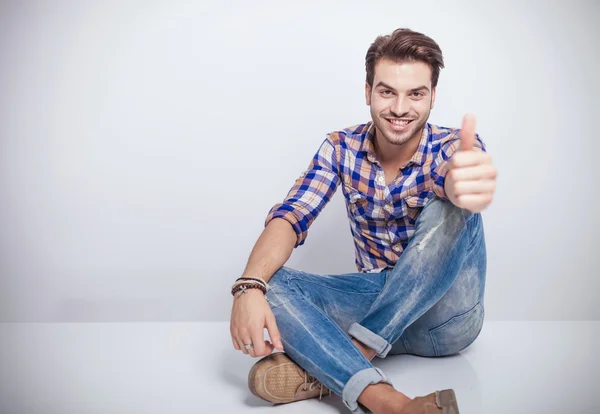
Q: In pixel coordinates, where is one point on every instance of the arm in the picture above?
(465, 174)
(286, 227)
(272, 249)
(287, 223)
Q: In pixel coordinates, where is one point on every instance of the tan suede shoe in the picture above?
(278, 379)
(439, 402)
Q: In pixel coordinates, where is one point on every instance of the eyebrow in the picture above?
(385, 85)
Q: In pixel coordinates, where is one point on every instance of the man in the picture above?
(414, 192)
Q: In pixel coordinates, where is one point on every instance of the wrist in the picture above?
(250, 294)
(252, 277)
(243, 285)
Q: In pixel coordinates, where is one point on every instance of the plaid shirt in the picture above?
(382, 218)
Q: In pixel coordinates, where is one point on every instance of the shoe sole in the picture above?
(252, 377)
(251, 381)
(446, 399)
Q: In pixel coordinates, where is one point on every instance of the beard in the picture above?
(415, 128)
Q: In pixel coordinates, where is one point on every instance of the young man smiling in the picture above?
(414, 192)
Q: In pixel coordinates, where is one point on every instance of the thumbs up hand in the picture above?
(471, 178)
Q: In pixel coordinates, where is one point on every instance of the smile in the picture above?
(398, 124)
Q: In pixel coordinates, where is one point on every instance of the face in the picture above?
(401, 99)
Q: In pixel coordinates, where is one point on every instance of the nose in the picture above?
(400, 106)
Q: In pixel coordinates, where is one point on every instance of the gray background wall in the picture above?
(143, 143)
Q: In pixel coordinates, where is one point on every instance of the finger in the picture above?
(235, 344)
(469, 158)
(246, 339)
(233, 332)
(474, 187)
(241, 346)
(483, 172)
(475, 202)
(467, 133)
(274, 331)
(240, 343)
(269, 348)
(259, 342)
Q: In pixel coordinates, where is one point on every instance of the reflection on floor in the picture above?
(181, 368)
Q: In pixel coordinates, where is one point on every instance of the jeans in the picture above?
(429, 304)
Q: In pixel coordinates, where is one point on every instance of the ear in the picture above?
(433, 97)
(368, 93)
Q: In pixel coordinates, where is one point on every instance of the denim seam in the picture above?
(272, 304)
(406, 344)
(478, 332)
(473, 239)
(329, 287)
(431, 331)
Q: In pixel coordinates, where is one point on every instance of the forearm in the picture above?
(272, 249)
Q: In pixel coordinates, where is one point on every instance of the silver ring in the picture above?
(247, 346)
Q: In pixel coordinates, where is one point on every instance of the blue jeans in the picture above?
(429, 304)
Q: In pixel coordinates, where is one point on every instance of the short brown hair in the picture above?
(405, 45)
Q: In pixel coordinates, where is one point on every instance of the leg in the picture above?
(454, 322)
(448, 242)
(313, 313)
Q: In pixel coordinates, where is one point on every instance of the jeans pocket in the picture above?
(457, 333)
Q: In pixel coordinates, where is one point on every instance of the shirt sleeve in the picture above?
(442, 161)
(310, 192)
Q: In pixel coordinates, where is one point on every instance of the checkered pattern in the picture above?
(382, 218)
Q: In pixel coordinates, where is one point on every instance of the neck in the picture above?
(394, 154)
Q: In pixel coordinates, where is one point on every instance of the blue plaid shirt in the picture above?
(382, 218)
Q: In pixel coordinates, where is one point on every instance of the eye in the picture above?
(386, 92)
(417, 94)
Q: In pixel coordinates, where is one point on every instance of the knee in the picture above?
(457, 333)
(441, 217)
(278, 287)
(279, 278)
(441, 208)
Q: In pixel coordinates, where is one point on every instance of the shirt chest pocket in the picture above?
(358, 205)
(415, 204)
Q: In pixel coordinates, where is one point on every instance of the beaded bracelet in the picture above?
(259, 280)
(247, 282)
(244, 288)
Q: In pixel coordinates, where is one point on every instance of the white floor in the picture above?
(181, 368)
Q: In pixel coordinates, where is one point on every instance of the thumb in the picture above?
(273, 331)
(467, 133)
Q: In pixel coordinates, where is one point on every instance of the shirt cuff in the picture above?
(438, 186)
(289, 216)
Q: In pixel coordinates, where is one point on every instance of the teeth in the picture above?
(398, 122)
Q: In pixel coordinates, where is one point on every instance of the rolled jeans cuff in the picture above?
(357, 384)
(370, 339)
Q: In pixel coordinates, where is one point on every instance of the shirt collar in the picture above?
(367, 145)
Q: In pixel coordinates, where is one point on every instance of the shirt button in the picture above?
(380, 179)
(397, 247)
